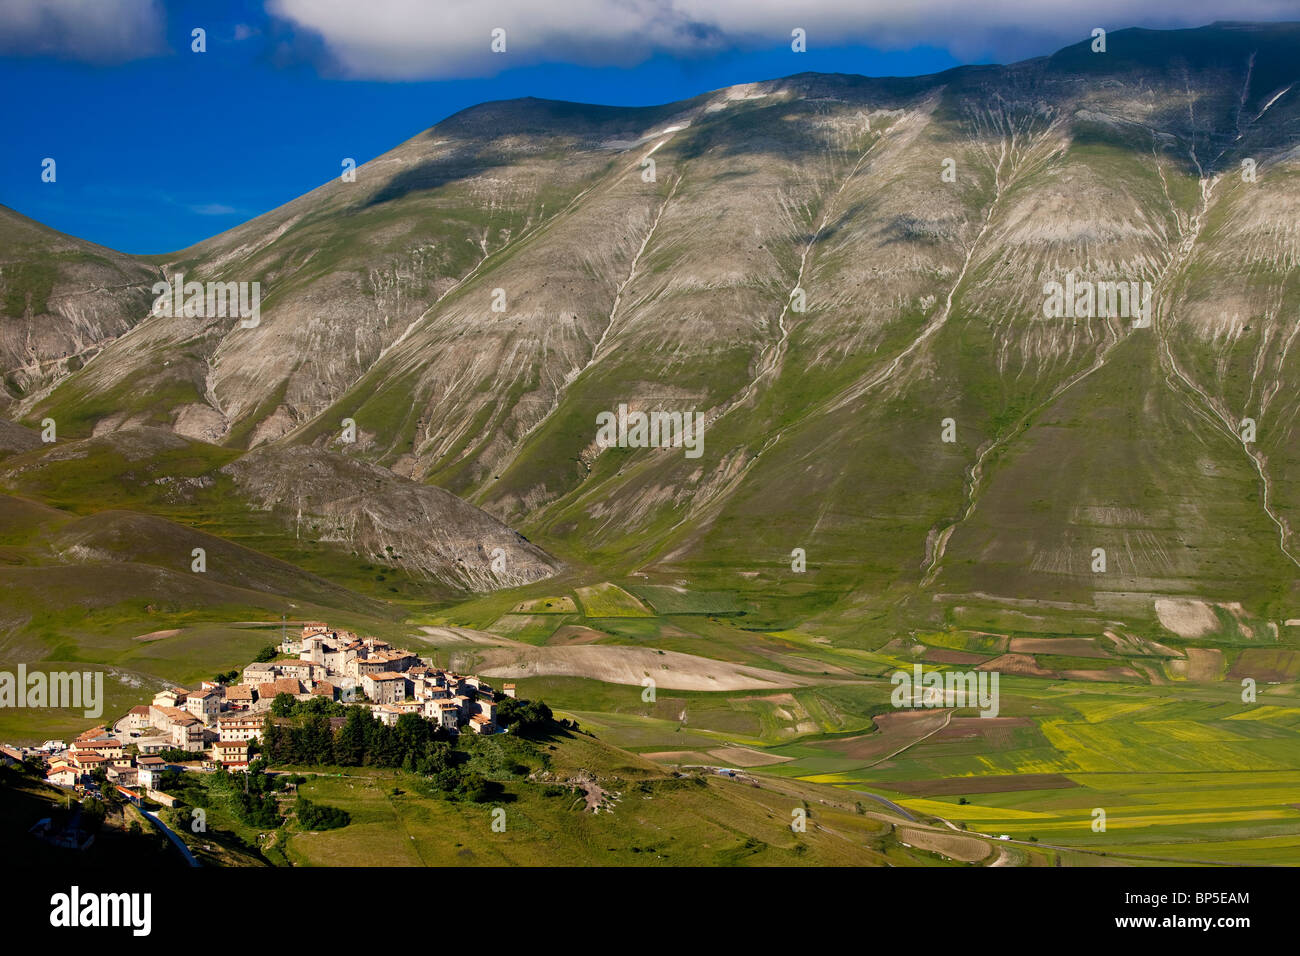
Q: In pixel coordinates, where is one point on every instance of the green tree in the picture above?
(314, 816)
(525, 717)
(350, 742)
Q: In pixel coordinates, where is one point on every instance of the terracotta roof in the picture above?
(285, 685)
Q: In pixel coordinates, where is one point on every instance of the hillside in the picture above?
(293, 500)
(576, 801)
(915, 452)
(923, 303)
(61, 301)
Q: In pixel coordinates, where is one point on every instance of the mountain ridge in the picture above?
(922, 305)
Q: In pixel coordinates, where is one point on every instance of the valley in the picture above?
(974, 483)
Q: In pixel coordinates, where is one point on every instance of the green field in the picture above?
(610, 600)
(94, 565)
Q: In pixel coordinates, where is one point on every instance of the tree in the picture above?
(271, 739)
(437, 756)
(315, 740)
(92, 815)
(282, 706)
(412, 733)
(350, 742)
(524, 717)
(314, 816)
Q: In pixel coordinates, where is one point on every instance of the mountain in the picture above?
(799, 270)
(288, 500)
(61, 300)
(427, 530)
(923, 443)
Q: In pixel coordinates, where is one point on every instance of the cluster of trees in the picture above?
(93, 813)
(286, 705)
(526, 717)
(176, 755)
(315, 816)
(458, 783)
(252, 796)
(413, 744)
(259, 810)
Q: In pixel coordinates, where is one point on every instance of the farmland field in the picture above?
(610, 600)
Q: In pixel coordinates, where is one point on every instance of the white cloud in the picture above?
(403, 39)
(98, 31)
(213, 209)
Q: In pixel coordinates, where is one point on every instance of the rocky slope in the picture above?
(369, 510)
(298, 499)
(61, 301)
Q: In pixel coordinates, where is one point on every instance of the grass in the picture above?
(670, 600)
(610, 600)
(655, 820)
(530, 628)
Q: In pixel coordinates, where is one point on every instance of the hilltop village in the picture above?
(218, 722)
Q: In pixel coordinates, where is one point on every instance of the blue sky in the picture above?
(158, 147)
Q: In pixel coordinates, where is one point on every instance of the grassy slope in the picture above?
(657, 819)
